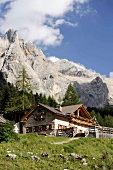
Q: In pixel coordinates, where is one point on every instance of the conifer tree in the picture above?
(71, 96)
(5, 95)
(100, 119)
(23, 84)
(52, 102)
(13, 97)
(37, 98)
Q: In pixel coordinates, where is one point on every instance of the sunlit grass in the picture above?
(97, 152)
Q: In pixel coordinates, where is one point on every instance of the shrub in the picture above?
(7, 133)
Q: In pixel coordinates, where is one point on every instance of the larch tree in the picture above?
(23, 84)
(71, 96)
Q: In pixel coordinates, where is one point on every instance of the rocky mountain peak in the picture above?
(11, 35)
(52, 78)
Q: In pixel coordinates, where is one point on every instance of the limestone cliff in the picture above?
(52, 78)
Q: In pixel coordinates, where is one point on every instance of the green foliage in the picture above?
(92, 113)
(71, 96)
(23, 81)
(8, 96)
(43, 99)
(12, 102)
(108, 121)
(7, 133)
(23, 84)
(60, 100)
(100, 119)
(40, 98)
(52, 102)
(103, 118)
(89, 148)
(11, 99)
(102, 110)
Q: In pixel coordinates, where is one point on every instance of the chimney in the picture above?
(60, 108)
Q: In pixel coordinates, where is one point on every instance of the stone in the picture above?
(85, 164)
(96, 167)
(12, 156)
(45, 154)
(75, 156)
(83, 160)
(65, 158)
(30, 153)
(20, 154)
(35, 158)
(60, 155)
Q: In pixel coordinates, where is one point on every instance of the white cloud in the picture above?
(111, 74)
(81, 1)
(83, 11)
(62, 21)
(53, 58)
(4, 1)
(38, 20)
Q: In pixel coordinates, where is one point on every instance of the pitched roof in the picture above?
(65, 111)
(2, 120)
(70, 109)
(52, 109)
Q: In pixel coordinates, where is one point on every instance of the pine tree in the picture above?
(71, 96)
(12, 101)
(5, 95)
(59, 100)
(108, 121)
(100, 120)
(37, 98)
(52, 102)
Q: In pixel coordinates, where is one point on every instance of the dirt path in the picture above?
(67, 141)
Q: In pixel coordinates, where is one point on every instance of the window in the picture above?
(60, 126)
(41, 111)
(65, 127)
(28, 129)
(39, 117)
(39, 128)
(51, 127)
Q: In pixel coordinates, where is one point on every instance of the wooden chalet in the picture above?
(49, 120)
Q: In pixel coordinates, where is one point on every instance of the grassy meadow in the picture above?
(98, 153)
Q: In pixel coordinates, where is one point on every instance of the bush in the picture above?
(7, 133)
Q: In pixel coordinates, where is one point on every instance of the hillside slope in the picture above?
(36, 152)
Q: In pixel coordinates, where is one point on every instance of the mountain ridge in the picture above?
(52, 78)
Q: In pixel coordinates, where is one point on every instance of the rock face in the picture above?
(94, 93)
(52, 78)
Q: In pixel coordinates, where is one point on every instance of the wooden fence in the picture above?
(101, 132)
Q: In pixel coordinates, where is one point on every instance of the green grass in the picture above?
(97, 152)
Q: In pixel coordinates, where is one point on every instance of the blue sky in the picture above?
(78, 30)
